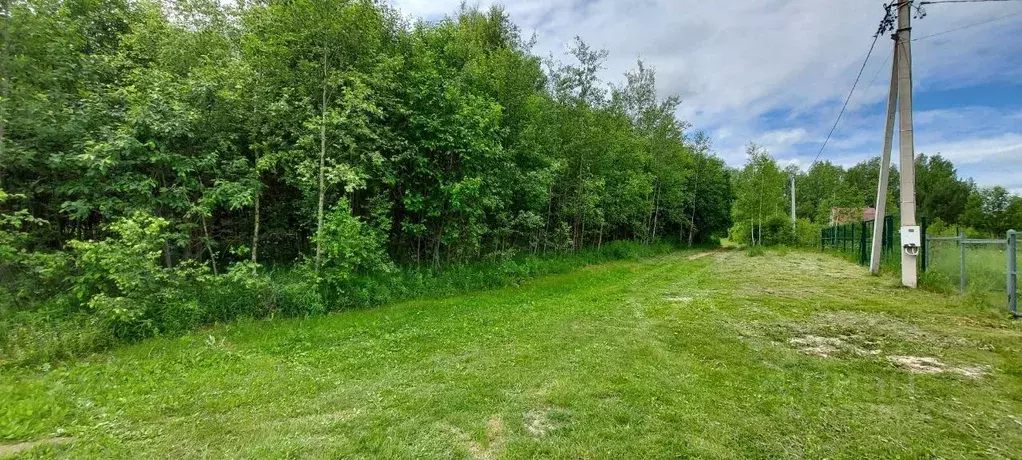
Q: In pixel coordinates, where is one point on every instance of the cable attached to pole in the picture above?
(886, 24)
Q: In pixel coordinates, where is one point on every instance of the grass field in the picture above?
(716, 355)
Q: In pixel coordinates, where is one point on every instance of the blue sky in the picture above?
(775, 72)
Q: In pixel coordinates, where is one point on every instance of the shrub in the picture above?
(778, 230)
(293, 293)
(128, 295)
(121, 280)
(740, 233)
(26, 276)
(807, 233)
(350, 248)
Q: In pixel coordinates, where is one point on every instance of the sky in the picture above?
(776, 72)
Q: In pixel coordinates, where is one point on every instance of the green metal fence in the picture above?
(855, 241)
(978, 265)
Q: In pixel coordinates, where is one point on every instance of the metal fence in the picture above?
(981, 266)
(855, 241)
(984, 266)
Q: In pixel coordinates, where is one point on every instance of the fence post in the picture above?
(889, 234)
(1012, 274)
(863, 254)
(844, 238)
(961, 262)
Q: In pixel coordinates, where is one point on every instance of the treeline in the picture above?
(762, 209)
(146, 144)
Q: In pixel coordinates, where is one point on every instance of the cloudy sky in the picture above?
(776, 71)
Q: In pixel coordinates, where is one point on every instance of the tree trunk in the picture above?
(695, 196)
(761, 230)
(167, 260)
(4, 75)
(579, 214)
(582, 233)
(255, 234)
(322, 172)
(549, 209)
(656, 206)
(759, 212)
(436, 244)
(209, 247)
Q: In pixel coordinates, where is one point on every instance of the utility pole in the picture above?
(906, 148)
(794, 221)
(885, 171)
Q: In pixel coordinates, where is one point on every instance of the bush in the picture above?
(740, 233)
(775, 230)
(807, 233)
(121, 280)
(26, 276)
(778, 230)
(350, 248)
(127, 294)
(293, 293)
(123, 284)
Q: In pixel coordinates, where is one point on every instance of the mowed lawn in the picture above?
(720, 356)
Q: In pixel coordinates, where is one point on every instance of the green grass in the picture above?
(985, 271)
(664, 357)
(59, 328)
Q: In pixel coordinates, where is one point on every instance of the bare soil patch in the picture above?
(682, 299)
(539, 422)
(494, 440)
(828, 346)
(10, 449)
(929, 365)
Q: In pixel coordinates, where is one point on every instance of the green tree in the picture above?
(940, 194)
(759, 194)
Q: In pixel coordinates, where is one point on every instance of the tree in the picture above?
(759, 193)
(862, 180)
(335, 135)
(991, 210)
(940, 194)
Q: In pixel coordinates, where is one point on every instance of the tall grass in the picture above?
(985, 271)
(55, 331)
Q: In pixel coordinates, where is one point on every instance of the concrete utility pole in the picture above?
(794, 221)
(906, 148)
(885, 171)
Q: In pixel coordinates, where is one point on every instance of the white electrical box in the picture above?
(910, 237)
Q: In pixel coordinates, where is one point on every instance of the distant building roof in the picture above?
(840, 216)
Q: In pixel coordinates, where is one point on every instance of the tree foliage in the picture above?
(159, 136)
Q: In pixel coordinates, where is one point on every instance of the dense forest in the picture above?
(158, 156)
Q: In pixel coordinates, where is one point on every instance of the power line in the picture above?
(887, 23)
(968, 26)
(845, 105)
(934, 2)
(877, 74)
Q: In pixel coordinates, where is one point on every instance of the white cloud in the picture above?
(738, 64)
